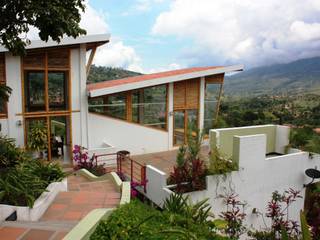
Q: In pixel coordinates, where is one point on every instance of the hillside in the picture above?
(99, 74)
(295, 77)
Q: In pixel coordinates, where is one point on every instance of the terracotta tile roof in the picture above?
(142, 78)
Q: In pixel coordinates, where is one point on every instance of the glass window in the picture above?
(35, 91)
(149, 106)
(210, 105)
(110, 105)
(57, 91)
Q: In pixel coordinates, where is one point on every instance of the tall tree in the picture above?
(53, 19)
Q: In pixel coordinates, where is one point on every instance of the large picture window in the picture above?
(146, 106)
(210, 105)
(110, 105)
(35, 91)
(149, 106)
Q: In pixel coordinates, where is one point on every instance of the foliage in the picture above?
(5, 93)
(179, 204)
(190, 171)
(22, 184)
(219, 163)
(38, 137)
(312, 209)
(53, 19)
(82, 160)
(10, 155)
(100, 73)
(234, 216)
(139, 221)
(306, 234)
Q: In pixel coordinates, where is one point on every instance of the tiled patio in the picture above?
(165, 161)
(66, 210)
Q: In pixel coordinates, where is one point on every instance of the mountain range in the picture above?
(291, 78)
(295, 77)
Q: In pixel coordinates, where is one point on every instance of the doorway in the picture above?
(56, 132)
(184, 122)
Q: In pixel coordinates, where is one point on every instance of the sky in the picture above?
(158, 35)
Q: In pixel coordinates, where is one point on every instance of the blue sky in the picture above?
(157, 35)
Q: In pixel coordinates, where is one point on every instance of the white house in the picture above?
(142, 114)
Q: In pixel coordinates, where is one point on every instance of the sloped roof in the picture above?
(97, 39)
(147, 80)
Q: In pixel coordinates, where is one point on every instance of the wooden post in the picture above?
(93, 52)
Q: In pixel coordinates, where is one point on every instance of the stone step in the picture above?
(43, 225)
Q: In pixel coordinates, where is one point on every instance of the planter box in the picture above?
(40, 205)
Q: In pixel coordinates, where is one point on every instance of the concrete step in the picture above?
(43, 225)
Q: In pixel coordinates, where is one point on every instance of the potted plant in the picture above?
(38, 139)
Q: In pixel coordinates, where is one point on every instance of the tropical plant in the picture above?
(5, 93)
(234, 216)
(38, 137)
(313, 145)
(189, 172)
(52, 18)
(82, 160)
(219, 163)
(10, 155)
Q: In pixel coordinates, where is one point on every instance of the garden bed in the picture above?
(39, 207)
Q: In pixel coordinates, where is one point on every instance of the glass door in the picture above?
(184, 122)
(60, 139)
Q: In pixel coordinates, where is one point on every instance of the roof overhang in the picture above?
(95, 40)
(162, 80)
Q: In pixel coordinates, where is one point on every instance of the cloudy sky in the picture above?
(157, 35)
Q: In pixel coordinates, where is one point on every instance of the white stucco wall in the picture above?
(258, 177)
(123, 135)
(15, 121)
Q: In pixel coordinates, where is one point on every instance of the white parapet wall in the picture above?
(123, 135)
(257, 178)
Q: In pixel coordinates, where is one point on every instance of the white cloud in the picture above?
(247, 31)
(116, 54)
(171, 66)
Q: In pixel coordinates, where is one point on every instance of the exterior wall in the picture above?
(282, 138)
(122, 135)
(258, 177)
(223, 138)
(75, 97)
(14, 124)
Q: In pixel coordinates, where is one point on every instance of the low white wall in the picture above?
(125, 136)
(156, 182)
(258, 177)
(282, 138)
(39, 207)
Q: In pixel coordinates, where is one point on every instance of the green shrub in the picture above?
(139, 221)
(220, 164)
(10, 155)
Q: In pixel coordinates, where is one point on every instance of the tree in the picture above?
(5, 93)
(53, 19)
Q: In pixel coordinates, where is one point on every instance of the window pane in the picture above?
(110, 105)
(179, 127)
(57, 86)
(35, 92)
(149, 106)
(210, 103)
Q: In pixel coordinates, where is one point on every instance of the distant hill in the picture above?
(295, 77)
(99, 74)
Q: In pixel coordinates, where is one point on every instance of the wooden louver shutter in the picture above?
(218, 78)
(179, 91)
(192, 93)
(34, 60)
(58, 58)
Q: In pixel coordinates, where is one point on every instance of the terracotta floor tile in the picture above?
(36, 234)
(59, 235)
(11, 233)
(72, 215)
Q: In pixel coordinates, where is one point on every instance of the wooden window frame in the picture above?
(47, 113)
(128, 117)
